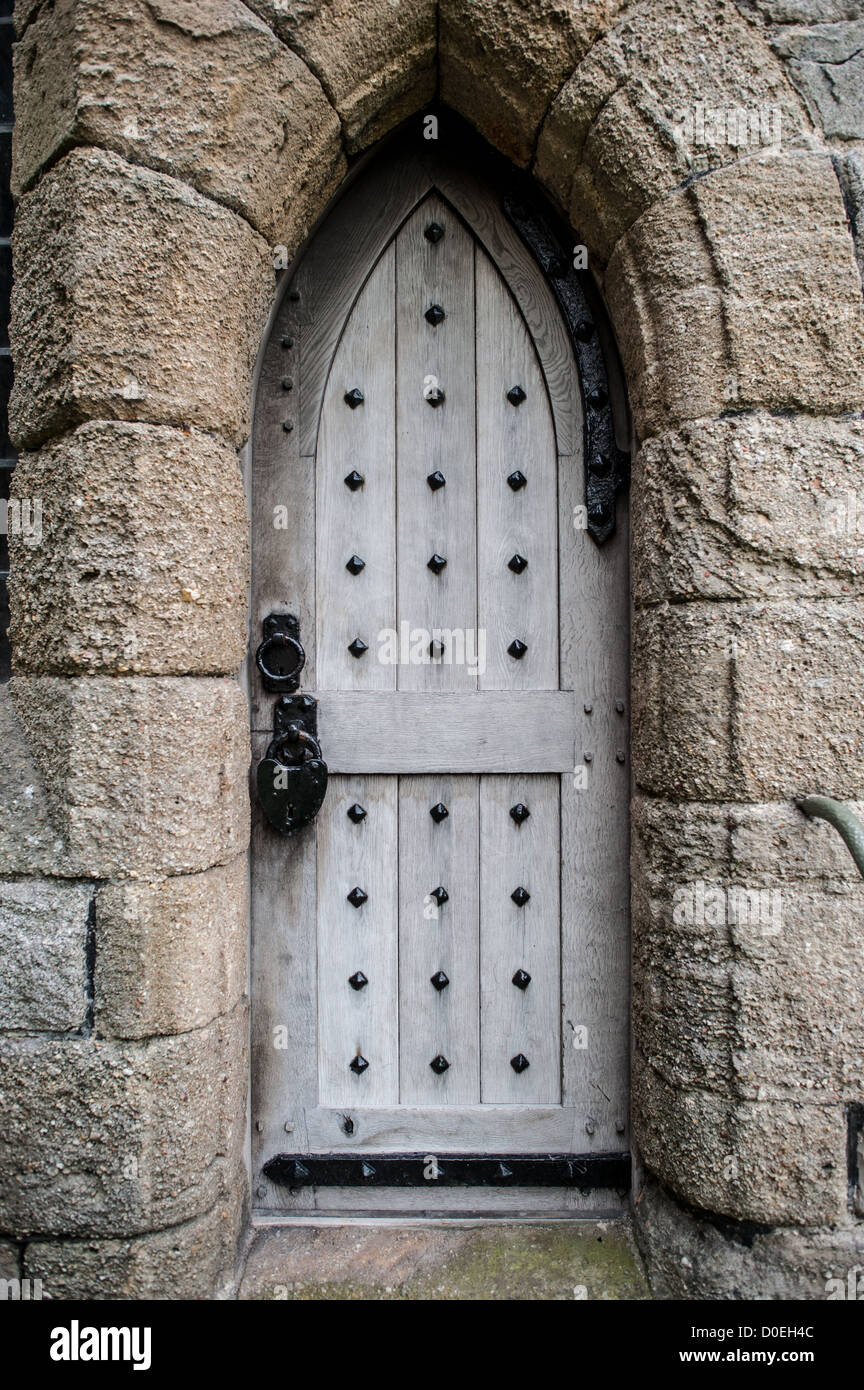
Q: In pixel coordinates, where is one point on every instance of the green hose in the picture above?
(838, 814)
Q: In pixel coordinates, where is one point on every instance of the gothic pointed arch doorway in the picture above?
(440, 957)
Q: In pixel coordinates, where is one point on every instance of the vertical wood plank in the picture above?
(431, 939)
(436, 439)
(351, 939)
(515, 938)
(358, 522)
(524, 522)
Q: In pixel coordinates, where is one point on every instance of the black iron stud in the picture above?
(521, 979)
(434, 232)
(354, 480)
(357, 897)
(516, 395)
(436, 564)
(517, 480)
(600, 465)
(357, 980)
(436, 649)
(620, 756)
(439, 980)
(355, 564)
(439, 1064)
(517, 563)
(436, 480)
(440, 895)
(619, 706)
(517, 649)
(519, 1062)
(287, 341)
(287, 384)
(504, 1171)
(519, 812)
(597, 398)
(435, 315)
(439, 813)
(287, 426)
(435, 397)
(357, 647)
(520, 896)
(358, 1064)
(584, 331)
(354, 397)
(357, 813)
(367, 1170)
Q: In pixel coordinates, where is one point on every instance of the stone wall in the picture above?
(161, 151)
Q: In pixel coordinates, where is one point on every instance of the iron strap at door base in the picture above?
(583, 1171)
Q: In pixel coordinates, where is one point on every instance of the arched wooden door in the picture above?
(440, 959)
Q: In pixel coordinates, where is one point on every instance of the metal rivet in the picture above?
(517, 480)
(367, 1170)
(439, 980)
(620, 1127)
(288, 1127)
(436, 480)
(354, 480)
(519, 812)
(287, 383)
(620, 756)
(357, 980)
(584, 331)
(357, 897)
(520, 896)
(287, 426)
(261, 1191)
(357, 647)
(598, 513)
(516, 395)
(504, 1171)
(354, 397)
(355, 564)
(436, 396)
(519, 1062)
(436, 564)
(358, 1064)
(588, 708)
(259, 1125)
(434, 232)
(436, 649)
(517, 563)
(517, 649)
(556, 267)
(287, 342)
(440, 895)
(294, 295)
(588, 757)
(597, 398)
(521, 979)
(619, 706)
(439, 813)
(357, 813)
(600, 465)
(590, 1126)
(439, 1064)
(435, 315)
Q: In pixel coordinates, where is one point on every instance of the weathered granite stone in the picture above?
(43, 955)
(142, 563)
(826, 64)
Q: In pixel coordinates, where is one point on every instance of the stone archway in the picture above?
(153, 187)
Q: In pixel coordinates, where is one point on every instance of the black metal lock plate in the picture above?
(292, 778)
(280, 658)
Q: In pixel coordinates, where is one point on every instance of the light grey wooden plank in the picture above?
(439, 438)
(468, 1201)
(436, 1022)
(527, 938)
(524, 523)
(409, 732)
(336, 265)
(350, 939)
(480, 205)
(361, 522)
(595, 827)
(282, 489)
(435, 1129)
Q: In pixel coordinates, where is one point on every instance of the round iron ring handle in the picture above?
(297, 736)
(280, 680)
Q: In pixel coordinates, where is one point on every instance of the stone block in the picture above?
(43, 955)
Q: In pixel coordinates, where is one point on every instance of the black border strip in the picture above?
(582, 1171)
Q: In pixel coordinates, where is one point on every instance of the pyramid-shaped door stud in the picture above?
(519, 1063)
(439, 1064)
(435, 315)
(520, 896)
(358, 1064)
(439, 812)
(357, 980)
(357, 897)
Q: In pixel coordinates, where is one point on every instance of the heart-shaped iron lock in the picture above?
(292, 780)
